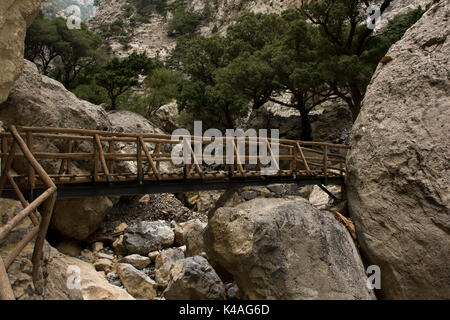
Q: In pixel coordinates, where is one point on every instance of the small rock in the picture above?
(103, 265)
(121, 227)
(249, 194)
(163, 264)
(194, 239)
(148, 236)
(152, 255)
(136, 261)
(118, 247)
(102, 255)
(88, 255)
(145, 199)
(97, 246)
(137, 283)
(232, 291)
(182, 229)
(193, 278)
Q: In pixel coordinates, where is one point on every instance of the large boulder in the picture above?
(194, 279)
(15, 17)
(37, 100)
(286, 249)
(148, 236)
(79, 218)
(398, 173)
(64, 278)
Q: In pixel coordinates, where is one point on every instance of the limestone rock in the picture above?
(93, 284)
(148, 236)
(37, 100)
(79, 218)
(103, 265)
(182, 229)
(163, 264)
(137, 261)
(166, 117)
(398, 174)
(137, 283)
(15, 17)
(194, 279)
(194, 239)
(286, 249)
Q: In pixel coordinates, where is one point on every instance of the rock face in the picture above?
(194, 279)
(398, 173)
(286, 249)
(148, 236)
(15, 17)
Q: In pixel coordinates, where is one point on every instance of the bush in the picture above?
(183, 22)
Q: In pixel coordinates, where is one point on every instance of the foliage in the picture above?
(162, 86)
(70, 51)
(184, 21)
(120, 75)
(264, 55)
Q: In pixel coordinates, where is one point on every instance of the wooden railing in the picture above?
(40, 222)
(98, 154)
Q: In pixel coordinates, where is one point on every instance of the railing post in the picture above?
(31, 171)
(6, 292)
(96, 159)
(4, 151)
(111, 152)
(140, 174)
(325, 163)
(46, 216)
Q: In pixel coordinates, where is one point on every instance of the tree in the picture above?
(70, 52)
(162, 86)
(120, 75)
(201, 94)
(184, 21)
(42, 42)
(348, 50)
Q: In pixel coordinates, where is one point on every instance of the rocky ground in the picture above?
(155, 243)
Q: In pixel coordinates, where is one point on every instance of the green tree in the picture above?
(350, 51)
(43, 42)
(162, 86)
(184, 21)
(120, 75)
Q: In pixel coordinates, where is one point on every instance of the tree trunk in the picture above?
(306, 132)
(355, 106)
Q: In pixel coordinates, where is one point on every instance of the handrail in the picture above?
(47, 199)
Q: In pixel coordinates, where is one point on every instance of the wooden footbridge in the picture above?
(41, 165)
